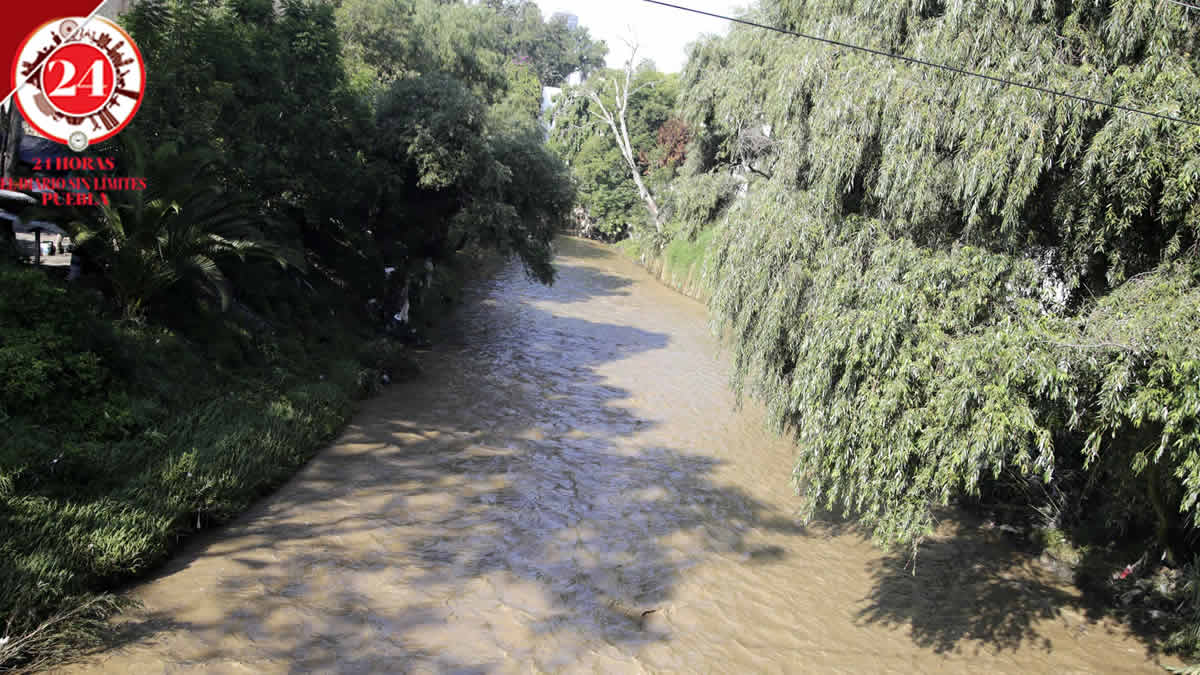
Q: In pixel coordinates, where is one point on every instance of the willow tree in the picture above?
(943, 281)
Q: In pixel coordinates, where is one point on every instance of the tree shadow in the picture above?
(579, 247)
(586, 281)
(509, 484)
(590, 283)
(970, 588)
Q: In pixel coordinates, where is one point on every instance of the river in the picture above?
(569, 487)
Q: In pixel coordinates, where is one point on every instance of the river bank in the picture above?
(124, 440)
(679, 265)
(569, 487)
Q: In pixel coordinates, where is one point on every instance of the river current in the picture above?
(569, 487)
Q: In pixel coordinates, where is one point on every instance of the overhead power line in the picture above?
(1183, 4)
(931, 64)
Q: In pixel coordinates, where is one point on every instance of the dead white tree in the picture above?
(614, 116)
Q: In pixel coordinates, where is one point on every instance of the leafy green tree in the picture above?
(551, 46)
(251, 82)
(523, 95)
(468, 176)
(248, 83)
(939, 284)
(610, 198)
(382, 38)
(474, 43)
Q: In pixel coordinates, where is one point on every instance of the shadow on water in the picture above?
(965, 588)
(583, 249)
(512, 479)
(971, 589)
(511, 456)
(585, 282)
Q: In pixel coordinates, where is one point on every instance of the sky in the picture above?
(662, 32)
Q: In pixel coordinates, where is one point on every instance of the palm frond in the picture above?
(182, 230)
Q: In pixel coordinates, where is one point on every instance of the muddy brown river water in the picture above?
(569, 488)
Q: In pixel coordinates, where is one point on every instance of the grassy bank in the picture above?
(119, 439)
(680, 264)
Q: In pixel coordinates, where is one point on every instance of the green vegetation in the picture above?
(685, 254)
(552, 48)
(610, 199)
(951, 291)
(310, 173)
(177, 235)
(111, 404)
(937, 281)
(681, 263)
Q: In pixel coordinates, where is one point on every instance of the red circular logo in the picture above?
(79, 81)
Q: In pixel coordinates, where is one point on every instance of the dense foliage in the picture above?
(944, 287)
(274, 95)
(556, 49)
(389, 38)
(106, 459)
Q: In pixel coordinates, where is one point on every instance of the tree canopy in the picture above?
(472, 42)
(555, 49)
(408, 110)
(938, 283)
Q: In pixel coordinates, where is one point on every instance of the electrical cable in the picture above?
(1183, 4)
(931, 64)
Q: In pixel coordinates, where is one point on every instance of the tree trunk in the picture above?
(651, 205)
(1163, 520)
(648, 198)
(621, 135)
(11, 131)
(12, 140)
(615, 117)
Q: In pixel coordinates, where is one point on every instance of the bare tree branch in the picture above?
(616, 120)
